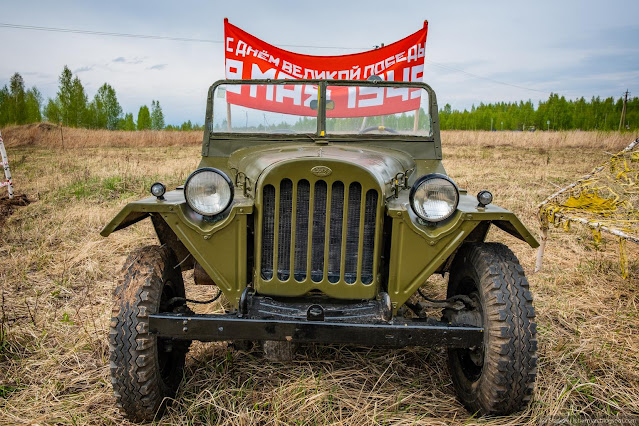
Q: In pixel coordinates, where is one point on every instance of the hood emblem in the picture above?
(321, 171)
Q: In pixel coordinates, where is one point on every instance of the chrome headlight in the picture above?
(208, 191)
(434, 197)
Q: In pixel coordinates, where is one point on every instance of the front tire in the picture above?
(145, 370)
(498, 377)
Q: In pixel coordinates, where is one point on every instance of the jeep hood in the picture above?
(383, 163)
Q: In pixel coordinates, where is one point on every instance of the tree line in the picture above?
(557, 113)
(72, 108)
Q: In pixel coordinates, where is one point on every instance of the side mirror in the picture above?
(330, 105)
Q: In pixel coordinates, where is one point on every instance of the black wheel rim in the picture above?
(471, 360)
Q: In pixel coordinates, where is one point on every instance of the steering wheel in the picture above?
(380, 128)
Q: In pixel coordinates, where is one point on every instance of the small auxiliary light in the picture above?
(484, 197)
(158, 189)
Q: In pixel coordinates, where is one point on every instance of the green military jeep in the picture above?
(319, 209)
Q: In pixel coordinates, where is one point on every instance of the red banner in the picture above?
(248, 57)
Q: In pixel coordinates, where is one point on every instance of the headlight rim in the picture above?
(219, 172)
(418, 182)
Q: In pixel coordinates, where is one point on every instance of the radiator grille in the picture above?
(329, 238)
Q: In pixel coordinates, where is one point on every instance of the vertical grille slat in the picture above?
(370, 217)
(352, 238)
(319, 231)
(335, 233)
(284, 232)
(329, 239)
(268, 231)
(301, 229)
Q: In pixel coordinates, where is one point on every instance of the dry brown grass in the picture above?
(50, 135)
(58, 273)
(607, 141)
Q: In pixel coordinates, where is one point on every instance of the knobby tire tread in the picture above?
(139, 389)
(510, 359)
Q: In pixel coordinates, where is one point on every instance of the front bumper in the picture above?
(395, 333)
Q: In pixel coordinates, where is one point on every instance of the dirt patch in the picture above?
(9, 205)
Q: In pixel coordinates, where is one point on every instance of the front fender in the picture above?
(219, 244)
(417, 251)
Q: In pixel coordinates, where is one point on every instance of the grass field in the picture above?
(57, 275)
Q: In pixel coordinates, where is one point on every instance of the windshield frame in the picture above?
(320, 134)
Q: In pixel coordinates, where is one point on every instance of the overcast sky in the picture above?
(521, 50)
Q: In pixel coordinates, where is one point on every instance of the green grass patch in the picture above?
(102, 189)
(5, 390)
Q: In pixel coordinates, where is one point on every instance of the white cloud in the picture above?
(539, 46)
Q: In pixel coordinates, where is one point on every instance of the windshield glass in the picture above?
(379, 109)
(292, 108)
(264, 108)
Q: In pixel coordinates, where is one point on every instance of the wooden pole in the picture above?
(623, 111)
(541, 249)
(61, 135)
(598, 226)
(7, 172)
